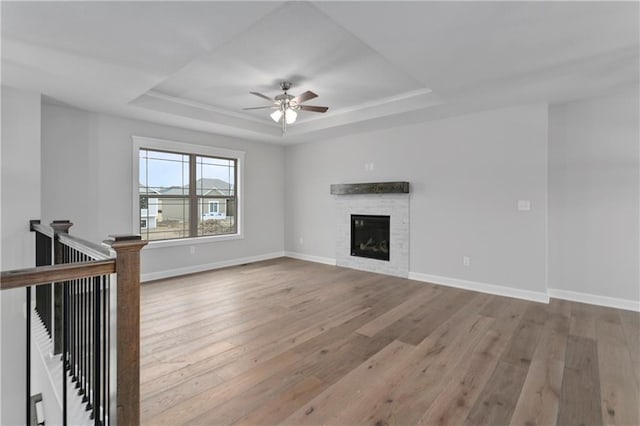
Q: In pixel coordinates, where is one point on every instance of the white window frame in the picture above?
(142, 142)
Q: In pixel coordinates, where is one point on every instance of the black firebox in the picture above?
(370, 236)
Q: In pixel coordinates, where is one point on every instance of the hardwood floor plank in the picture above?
(406, 395)
(277, 409)
(156, 400)
(465, 384)
(276, 345)
(524, 343)
(618, 388)
(419, 327)
(191, 407)
(553, 340)
(580, 395)
(378, 324)
(370, 374)
(185, 358)
(540, 396)
(379, 305)
(630, 322)
(499, 396)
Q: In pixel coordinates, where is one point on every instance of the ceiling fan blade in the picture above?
(304, 97)
(313, 108)
(262, 107)
(262, 96)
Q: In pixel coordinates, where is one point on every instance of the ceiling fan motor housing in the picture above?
(285, 85)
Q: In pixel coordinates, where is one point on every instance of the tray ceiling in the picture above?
(375, 64)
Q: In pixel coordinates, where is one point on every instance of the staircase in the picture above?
(43, 349)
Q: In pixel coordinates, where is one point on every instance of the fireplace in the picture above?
(370, 236)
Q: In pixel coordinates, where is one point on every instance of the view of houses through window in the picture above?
(186, 195)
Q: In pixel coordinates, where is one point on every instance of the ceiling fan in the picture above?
(286, 105)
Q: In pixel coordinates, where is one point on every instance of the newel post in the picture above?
(127, 248)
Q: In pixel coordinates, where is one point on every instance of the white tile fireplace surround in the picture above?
(396, 206)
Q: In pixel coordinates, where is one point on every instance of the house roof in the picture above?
(204, 187)
(146, 190)
(207, 186)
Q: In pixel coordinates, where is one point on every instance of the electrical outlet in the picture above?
(192, 249)
(466, 260)
(301, 241)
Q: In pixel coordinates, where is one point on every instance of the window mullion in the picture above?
(193, 197)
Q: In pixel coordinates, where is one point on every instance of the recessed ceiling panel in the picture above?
(158, 37)
(459, 45)
(299, 43)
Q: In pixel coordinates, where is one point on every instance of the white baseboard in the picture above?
(592, 299)
(449, 282)
(499, 290)
(310, 258)
(151, 276)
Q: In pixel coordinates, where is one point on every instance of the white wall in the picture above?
(594, 196)
(93, 189)
(20, 183)
(466, 173)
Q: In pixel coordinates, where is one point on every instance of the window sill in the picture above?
(192, 241)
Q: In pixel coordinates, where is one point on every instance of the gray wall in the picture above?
(467, 174)
(87, 177)
(20, 183)
(594, 196)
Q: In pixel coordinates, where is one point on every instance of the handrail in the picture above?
(55, 273)
(93, 250)
(88, 298)
(43, 229)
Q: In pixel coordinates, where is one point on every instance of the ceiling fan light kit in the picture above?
(287, 106)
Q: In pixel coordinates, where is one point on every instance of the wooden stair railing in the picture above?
(75, 279)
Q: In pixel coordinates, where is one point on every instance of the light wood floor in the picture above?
(292, 342)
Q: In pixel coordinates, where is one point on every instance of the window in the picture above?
(186, 191)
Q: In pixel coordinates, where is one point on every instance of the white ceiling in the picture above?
(373, 63)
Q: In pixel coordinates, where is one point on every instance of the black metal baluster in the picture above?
(70, 313)
(90, 372)
(74, 335)
(87, 319)
(80, 332)
(96, 351)
(65, 344)
(87, 348)
(105, 360)
(78, 325)
(28, 355)
(83, 346)
(107, 338)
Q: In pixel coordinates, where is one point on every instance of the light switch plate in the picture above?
(524, 205)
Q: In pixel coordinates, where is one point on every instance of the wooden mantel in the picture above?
(370, 188)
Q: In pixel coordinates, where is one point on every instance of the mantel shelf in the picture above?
(370, 188)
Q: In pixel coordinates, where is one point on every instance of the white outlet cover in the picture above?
(524, 205)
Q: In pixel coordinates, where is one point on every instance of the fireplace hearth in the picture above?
(370, 236)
